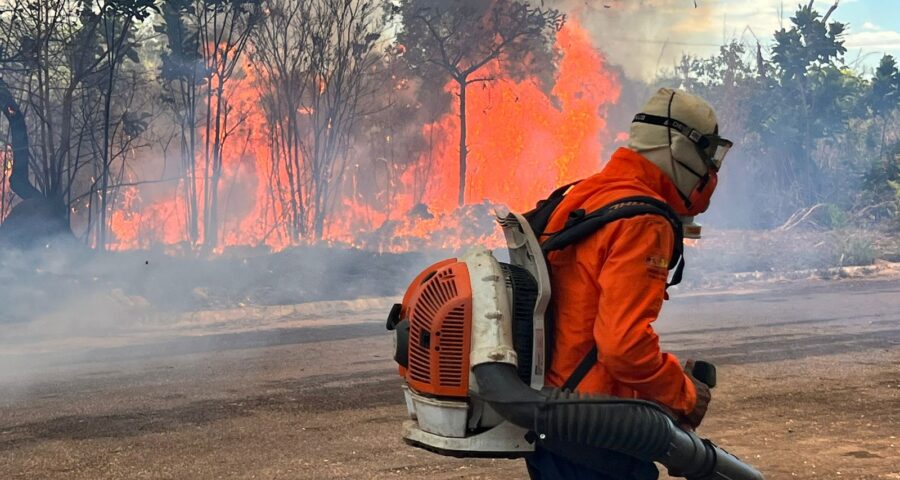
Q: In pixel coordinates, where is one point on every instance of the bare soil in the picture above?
(809, 388)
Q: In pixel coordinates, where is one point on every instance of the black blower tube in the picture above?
(636, 428)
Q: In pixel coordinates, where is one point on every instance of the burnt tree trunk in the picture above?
(36, 220)
(463, 149)
(18, 180)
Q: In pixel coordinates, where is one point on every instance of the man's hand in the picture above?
(695, 416)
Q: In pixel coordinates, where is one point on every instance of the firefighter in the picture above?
(609, 288)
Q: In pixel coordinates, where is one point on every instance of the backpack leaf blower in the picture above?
(470, 342)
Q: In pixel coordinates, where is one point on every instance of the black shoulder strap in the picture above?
(581, 225)
(539, 216)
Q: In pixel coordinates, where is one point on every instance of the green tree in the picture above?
(884, 98)
(815, 97)
(884, 102)
(798, 115)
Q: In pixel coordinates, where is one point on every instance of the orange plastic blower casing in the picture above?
(438, 305)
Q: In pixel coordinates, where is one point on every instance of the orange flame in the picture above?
(523, 143)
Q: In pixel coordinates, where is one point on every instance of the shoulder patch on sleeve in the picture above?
(657, 267)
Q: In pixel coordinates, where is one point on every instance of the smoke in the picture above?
(644, 36)
(71, 305)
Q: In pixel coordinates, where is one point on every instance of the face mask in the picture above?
(698, 201)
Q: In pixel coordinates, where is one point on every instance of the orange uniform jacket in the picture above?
(609, 288)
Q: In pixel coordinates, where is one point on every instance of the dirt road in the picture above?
(809, 378)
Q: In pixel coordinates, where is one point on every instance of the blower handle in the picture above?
(705, 372)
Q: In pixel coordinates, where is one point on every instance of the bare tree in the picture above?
(461, 37)
(117, 145)
(207, 39)
(116, 18)
(183, 72)
(316, 59)
(282, 56)
(224, 28)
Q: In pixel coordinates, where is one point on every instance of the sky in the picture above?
(645, 35)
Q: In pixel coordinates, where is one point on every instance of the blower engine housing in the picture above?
(440, 321)
(437, 347)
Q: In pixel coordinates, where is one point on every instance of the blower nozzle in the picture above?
(634, 427)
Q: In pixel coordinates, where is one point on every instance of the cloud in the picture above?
(870, 26)
(882, 39)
